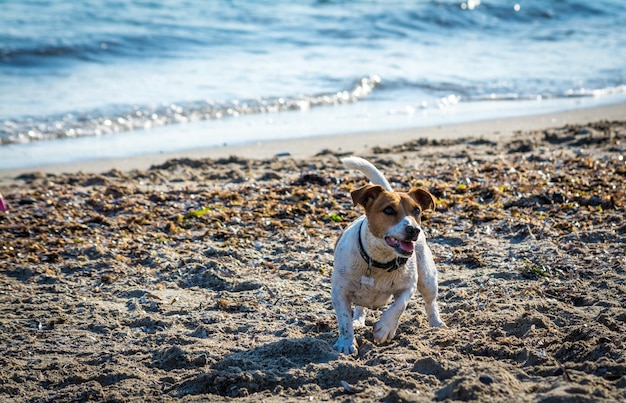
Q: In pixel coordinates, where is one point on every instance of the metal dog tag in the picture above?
(367, 280)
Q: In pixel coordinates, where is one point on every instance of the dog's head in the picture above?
(394, 216)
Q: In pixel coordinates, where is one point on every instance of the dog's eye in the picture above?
(417, 211)
(389, 210)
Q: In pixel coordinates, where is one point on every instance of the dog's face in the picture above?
(393, 216)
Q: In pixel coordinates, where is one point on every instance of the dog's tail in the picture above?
(368, 169)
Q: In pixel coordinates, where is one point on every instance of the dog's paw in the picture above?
(438, 324)
(360, 322)
(435, 321)
(384, 332)
(346, 346)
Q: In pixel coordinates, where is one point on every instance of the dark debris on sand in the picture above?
(209, 279)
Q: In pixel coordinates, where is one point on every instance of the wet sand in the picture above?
(356, 143)
(209, 278)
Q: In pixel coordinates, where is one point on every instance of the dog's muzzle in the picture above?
(406, 246)
(412, 232)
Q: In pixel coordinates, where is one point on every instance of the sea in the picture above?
(97, 79)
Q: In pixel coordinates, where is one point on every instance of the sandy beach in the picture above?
(360, 143)
(205, 276)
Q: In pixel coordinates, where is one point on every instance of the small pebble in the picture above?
(487, 380)
(347, 387)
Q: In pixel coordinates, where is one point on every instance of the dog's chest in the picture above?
(374, 291)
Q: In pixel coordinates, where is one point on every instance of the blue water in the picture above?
(99, 79)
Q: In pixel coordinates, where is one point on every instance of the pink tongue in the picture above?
(406, 246)
(392, 242)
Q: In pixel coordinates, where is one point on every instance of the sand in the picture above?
(202, 279)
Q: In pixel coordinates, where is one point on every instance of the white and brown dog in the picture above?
(380, 256)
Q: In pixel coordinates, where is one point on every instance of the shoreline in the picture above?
(493, 129)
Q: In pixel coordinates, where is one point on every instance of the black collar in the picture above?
(390, 266)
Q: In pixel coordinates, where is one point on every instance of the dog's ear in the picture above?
(365, 194)
(423, 198)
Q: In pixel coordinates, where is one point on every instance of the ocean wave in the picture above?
(97, 49)
(132, 118)
(95, 123)
(88, 69)
(148, 30)
(441, 93)
(40, 55)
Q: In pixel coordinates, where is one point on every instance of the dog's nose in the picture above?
(412, 231)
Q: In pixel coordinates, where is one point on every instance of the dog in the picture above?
(382, 256)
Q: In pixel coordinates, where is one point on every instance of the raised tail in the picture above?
(368, 169)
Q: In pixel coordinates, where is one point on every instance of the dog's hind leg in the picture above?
(427, 284)
(431, 306)
(358, 317)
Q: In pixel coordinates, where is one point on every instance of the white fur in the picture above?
(350, 270)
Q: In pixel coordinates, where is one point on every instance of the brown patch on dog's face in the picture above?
(388, 209)
(366, 194)
(424, 199)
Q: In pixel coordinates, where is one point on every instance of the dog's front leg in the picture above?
(346, 342)
(385, 328)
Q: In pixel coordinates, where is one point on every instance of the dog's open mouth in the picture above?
(402, 247)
